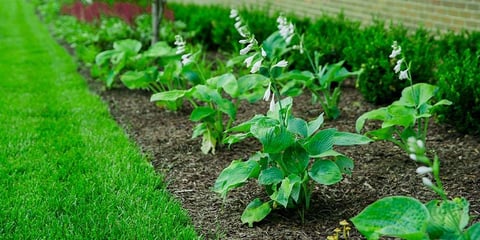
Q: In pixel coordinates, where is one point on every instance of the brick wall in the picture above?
(432, 14)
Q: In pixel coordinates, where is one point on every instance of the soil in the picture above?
(381, 168)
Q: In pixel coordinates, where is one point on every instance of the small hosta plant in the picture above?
(408, 218)
(407, 117)
(295, 154)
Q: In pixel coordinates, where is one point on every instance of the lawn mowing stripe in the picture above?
(67, 170)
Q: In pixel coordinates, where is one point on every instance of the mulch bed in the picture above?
(381, 168)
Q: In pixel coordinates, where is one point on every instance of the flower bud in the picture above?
(427, 182)
(424, 170)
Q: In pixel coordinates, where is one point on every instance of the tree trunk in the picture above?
(158, 7)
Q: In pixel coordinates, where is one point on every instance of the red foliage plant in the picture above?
(123, 10)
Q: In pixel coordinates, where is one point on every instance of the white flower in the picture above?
(282, 64)
(285, 28)
(248, 61)
(413, 156)
(423, 170)
(398, 66)
(420, 144)
(233, 13)
(268, 92)
(238, 25)
(180, 50)
(246, 49)
(179, 41)
(256, 66)
(264, 54)
(403, 74)
(186, 59)
(272, 104)
(244, 41)
(427, 182)
(396, 50)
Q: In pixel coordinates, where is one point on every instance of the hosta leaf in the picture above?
(348, 139)
(382, 133)
(199, 129)
(256, 211)
(168, 96)
(345, 164)
(135, 80)
(235, 175)
(228, 82)
(270, 176)
(399, 116)
(298, 126)
(416, 95)
(320, 142)
(448, 218)
(200, 113)
(104, 56)
(396, 216)
(130, 46)
(209, 142)
(273, 137)
(296, 159)
(473, 232)
(160, 49)
(285, 191)
(226, 106)
(377, 114)
(325, 172)
(314, 125)
(206, 94)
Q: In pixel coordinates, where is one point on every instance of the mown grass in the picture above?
(67, 171)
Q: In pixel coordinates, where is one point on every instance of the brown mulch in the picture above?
(381, 168)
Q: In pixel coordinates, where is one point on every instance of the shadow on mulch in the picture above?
(381, 169)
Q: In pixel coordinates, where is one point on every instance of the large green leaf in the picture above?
(135, 80)
(228, 82)
(345, 164)
(325, 172)
(377, 114)
(235, 175)
(399, 115)
(273, 137)
(314, 125)
(320, 142)
(256, 211)
(270, 176)
(160, 49)
(397, 216)
(129, 46)
(251, 87)
(168, 96)
(226, 106)
(448, 218)
(104, 57)
(206, 94)
(473, 232)
(416, 95)
(348, 139)
(200, 113)
(296, 159)
(298, 126)
(289, 188)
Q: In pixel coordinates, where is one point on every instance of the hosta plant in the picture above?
(295, 154)
(407, 117)
(408, 218)
(211, 106)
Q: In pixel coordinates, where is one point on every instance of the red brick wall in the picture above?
(432, 14)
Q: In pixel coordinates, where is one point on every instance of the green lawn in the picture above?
(67, 170)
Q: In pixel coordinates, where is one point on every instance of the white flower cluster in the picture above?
(397, 50)
(416, 147)
(286, 28)
(180, 43)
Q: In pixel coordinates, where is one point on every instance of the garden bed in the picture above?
(381, 169)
